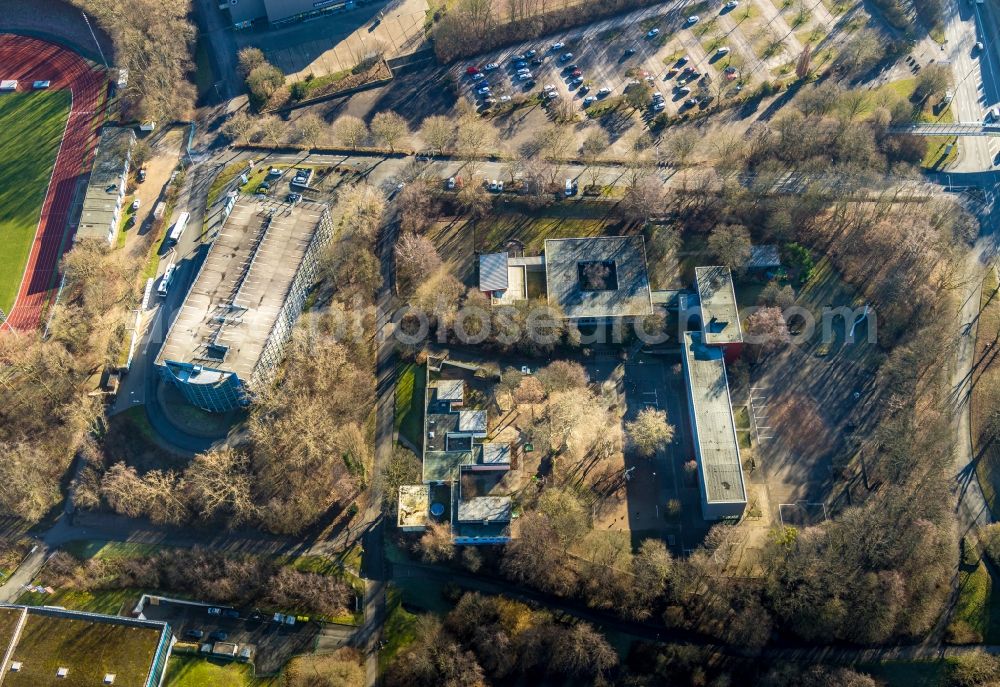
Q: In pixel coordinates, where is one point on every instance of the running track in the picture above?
(27, 60)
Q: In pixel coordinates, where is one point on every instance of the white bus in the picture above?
(179, 226)
(168, 274)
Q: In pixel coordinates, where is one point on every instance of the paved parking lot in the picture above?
(728, 47)
(275, 643)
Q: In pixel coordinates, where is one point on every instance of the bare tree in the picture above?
(350, 131)
(309, 130)
(388, 128)
(240, 126)
(649, 432)
(416, 260)
(766, 330)
(438, 132)
(731, 245)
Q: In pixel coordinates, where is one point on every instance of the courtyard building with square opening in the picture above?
(230, 333)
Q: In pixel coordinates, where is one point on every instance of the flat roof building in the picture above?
(720, 318)
(102, 201)
(723, 492)
(414, 507)
(230, 333)
(50, 647)
(243, 12)
(598, 278)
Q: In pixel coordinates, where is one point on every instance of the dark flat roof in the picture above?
(565, 260)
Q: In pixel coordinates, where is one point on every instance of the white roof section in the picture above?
(450, 389)
(8, 85)
(715, 430)
(496, 454)
(720, 318)
(493, 272)
(472, 421)
(485, 509)
(414, 506)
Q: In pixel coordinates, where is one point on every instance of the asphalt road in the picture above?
(974, 73)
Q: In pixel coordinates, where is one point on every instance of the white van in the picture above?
(165, 280)
(569, 187)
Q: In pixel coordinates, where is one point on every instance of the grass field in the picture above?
(399, 630)
(410, 384)
(976, 617)
(31, 128)
(188, 671)
(986, 392)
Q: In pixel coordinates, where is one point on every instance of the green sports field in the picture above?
(31, 127)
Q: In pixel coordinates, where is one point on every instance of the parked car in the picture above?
(505, 98)
(604, 92)
(585, 88)
(292, 198)
(520, 64)
(450, 183)
(491, 66)
(526, 76)
(231, 613)
(484, 90)
(722, 51)
(577, 81)
(135, 204)
(978, 46)
(472, 70)
(194, 634)
(690, 102)
(566, 57)
(683, 90)
(215, 611)
(557, 46)
(218, 636)
(629, 52)
(478, 77)
(682, 60)
(576, 72)
(589, 100)
(530, 54)
(652, 33)
(693, 19)
(537, 61)
(732, 4)
(141, 174)
(659, 106)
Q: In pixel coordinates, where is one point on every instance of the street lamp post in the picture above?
(96, 42)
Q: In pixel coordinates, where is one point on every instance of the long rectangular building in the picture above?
(53, 647)
(102, 202)
(717, 450)
(230, 333)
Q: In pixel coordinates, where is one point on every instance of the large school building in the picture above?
(230, 333)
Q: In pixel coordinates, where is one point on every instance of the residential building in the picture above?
(230, 333)
(49, 647)
(717, 451)
(105, 194)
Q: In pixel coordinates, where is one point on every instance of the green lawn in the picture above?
(976, 617)
(399, 630)
(190, 671)
(411, 380)
(986, 393)
(31, 128)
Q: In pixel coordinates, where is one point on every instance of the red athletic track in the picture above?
(27, 60)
